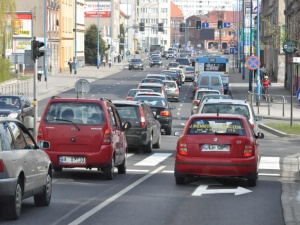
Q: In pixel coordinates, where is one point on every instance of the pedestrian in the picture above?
(119, 58)
(109, 63)
(264, 70)
(70, 63)
(103, 61)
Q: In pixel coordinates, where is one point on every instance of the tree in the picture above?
(7, 15)
(90, 43)
(122, 38)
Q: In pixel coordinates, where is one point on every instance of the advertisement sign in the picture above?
(22, 26)
(91, 9)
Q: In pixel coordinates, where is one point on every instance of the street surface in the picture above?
(147, 194)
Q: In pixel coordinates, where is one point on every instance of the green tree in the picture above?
(90, 44)
(7, 15)
(122, 38)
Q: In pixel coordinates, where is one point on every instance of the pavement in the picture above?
(278, 109)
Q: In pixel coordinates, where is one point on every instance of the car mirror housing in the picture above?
(260, 135)
(126, 125)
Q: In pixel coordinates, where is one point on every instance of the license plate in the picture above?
(72, 159)
(215, 148)
(135, 66)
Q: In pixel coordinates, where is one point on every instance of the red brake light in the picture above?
(248, 150)
(164, 113)
(176, 90)
(252, 125)
(196, 102)
(1, 166)
(182, 147)
(143, 120)
(40, 135)
(107, 137)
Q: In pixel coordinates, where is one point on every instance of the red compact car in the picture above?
(217, 146)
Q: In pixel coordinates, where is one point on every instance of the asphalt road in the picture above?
(147, 194)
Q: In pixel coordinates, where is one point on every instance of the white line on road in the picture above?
(153, 160)
(114, 197)
(269, 174)
(269, 163)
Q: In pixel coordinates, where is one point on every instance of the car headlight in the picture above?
(13, 115)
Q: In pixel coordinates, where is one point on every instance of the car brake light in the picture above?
(196, 102)
(252, 125)
(40, 135)
(176, 90)
(143, 120)
(248, 150)
(107, 137)
(182, 147)
(1, 166)
(164, 113)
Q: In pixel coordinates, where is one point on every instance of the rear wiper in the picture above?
(235, 134)
(70, 121)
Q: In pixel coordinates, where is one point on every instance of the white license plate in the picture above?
(72, 159)
(215, 148)
(136, 66)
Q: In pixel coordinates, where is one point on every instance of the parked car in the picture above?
(136, 64)
(87, 133)
(217, 146)
(151, 80)
(17, 107)
(161, 109)
(230, 106)
(25, 169)
(145, 130)
(172, 90)
(155, 61)
(210, 81)
(197, 98)
(155, 87)
(132, 92)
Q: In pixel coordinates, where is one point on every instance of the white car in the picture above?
(197, 98)
(25, 169)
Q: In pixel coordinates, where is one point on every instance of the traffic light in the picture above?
(220, 24)
(35, 49)
(198, 24)
(182, 27)
(160, 27)
(142, 27)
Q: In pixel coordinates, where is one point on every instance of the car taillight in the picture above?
(40, 135)
(107, 137)
(176, 90)
(252, 125)
(196, 87)
(222, 90)
(143, 120)
(182, 147)
(196, 102)
(1, 166)
(164, 113)
(248, 150)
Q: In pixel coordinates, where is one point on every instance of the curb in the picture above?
(277, 132)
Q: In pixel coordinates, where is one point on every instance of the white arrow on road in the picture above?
(202, 190)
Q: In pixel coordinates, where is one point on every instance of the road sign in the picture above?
(296, 59)
(202, 190)
(253, 62)
(298, 95)
(289, 47)
(205, 25)
(232, 51)
(226, 25)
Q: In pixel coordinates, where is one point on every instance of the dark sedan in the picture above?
(155, 61)
(136, 64)
(161, 109)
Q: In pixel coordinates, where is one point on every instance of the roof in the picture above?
(175, 11)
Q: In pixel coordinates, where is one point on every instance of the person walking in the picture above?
(70, 63)
(264, 70)
(109, 63)
(104, 61)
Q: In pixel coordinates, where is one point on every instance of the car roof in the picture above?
(231, 101)
(151, 84)
(157, 75)
(169, 81)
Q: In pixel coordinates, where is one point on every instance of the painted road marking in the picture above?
(269, 163)
(153, 160)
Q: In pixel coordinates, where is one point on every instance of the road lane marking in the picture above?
(140, 171)
(114, 197)
(269, 163)
(202, 189)
(269, 174)
(153, 160)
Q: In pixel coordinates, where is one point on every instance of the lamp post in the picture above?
(98, 37)
(75, 48)
(45, 40)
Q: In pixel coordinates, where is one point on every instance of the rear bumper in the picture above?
(137, 140)
(7, 188)
(223, 167)
(165, 122)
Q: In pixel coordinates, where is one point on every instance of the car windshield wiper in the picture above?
(70, 121)
(235, 134)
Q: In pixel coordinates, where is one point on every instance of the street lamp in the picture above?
(75, 48)
(98, 37)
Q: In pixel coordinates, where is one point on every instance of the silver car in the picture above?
(25, 170)
(172, 90)
(230, 106)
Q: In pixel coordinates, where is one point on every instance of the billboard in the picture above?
(207, 34)
(22, 26)
(91, 9)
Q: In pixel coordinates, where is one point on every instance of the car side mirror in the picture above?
(172, 107)
(126, 126)
(260, 135)
(177, 133)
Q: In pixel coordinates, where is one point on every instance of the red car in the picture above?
(217, 146)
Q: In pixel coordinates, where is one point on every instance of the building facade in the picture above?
(177, 18)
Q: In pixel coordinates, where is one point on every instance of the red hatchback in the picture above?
(85, 133)
(217, 146)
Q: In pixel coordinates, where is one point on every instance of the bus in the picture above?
(215, 64)
(156, 47)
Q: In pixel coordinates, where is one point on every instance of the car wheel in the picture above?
(57, 168)
(177, 99)
(122, 167)
(129, 68)
(109, 170)
(44, 198)
(158, 143)
(168, 131)
(148, 147)
(12, 211)
(142, 68)
(180, 180)
(251, 182)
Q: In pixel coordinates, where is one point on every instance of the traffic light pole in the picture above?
(35, 100)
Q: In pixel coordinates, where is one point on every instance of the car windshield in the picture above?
(152, 101)
(201, 93)
(136, 60)
(170, 85)
(173, 64)
(216, 126)
(226, 109)
(10, 102)
(190, 69)
(83, 113)
(156, 58)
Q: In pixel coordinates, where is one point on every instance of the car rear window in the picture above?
(190, 69)
(83, 113)
(128, 113)
(183, 61)
(226, 109)
(201, 93)
(155, 89)
(215, 125)
(152, 101)
(136, 60)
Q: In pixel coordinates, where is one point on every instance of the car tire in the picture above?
(109, 170)
(169, 130)
(251, 182)
(12, 210)
(142, 68)
(129, 68)
(122, 167)
(149, 145)
(180, 180)
(44, 198)
(177, 99)
(57, 168)
(158, 143)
